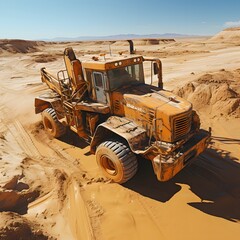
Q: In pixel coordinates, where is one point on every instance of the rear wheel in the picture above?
(116, 161)
(51, 124)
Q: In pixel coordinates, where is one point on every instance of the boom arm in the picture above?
(50, 80)
(74, 70)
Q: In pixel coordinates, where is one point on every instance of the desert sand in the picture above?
(53, 189)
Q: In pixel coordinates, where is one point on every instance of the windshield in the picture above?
(129, 75)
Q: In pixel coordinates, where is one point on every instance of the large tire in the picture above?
(116, 161)
(51, 124)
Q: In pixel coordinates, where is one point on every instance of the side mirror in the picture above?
(155, 68)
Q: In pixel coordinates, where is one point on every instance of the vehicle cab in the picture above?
(109, 77)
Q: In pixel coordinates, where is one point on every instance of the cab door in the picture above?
(98, 79)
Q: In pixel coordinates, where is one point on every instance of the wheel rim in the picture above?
(48, 125)
(108, 165)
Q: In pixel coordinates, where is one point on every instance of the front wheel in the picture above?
(51, 124)
(116, 161)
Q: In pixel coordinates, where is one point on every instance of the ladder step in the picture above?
(67, 104)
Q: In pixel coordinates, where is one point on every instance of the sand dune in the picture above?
(53, 189)
(19, 46)
(229, 35)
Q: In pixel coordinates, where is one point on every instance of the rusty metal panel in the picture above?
(167, 167)
(135, 135)
(154, 112)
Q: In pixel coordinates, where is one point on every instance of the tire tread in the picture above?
(60, 128)
(125, 156)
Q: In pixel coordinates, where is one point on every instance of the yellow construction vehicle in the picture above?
(105, 100)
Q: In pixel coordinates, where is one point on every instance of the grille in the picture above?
(151, 115)
(117, 105)
(182, 126)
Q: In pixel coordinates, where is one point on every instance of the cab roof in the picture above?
(106, 62)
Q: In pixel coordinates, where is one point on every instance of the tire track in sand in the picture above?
(23, 139)
(74, 207)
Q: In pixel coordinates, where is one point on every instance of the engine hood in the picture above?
(160, 101)
(156, 112)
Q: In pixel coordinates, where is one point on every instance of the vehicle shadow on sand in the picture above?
(214, 177)
(226, 140)
(73, 139)
(145, 182)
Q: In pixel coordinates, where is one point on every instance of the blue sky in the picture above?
(37, 19)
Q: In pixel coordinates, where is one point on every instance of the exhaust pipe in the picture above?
(131, 46)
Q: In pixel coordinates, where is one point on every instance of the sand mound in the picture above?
(146, 42)
(216, 93)
(19, 46)
(44, 58)
(121, 43)
(14, 226)
(229, 35)
(97, 43)
(15, 196)
(151, 41)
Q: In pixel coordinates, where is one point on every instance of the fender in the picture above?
(124, 128)
(49, 100)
